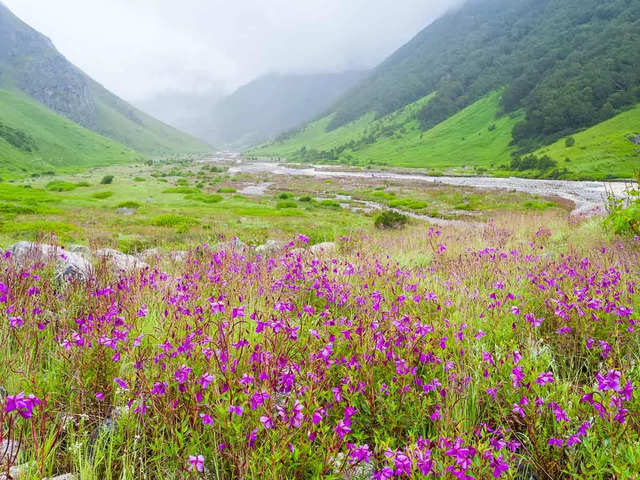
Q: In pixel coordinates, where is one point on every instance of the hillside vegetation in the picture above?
(36, 140)
(29, 63)
(491, 82)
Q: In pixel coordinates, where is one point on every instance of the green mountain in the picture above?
(36, 140)
(29, 63)
(491, 82)
(272, 104)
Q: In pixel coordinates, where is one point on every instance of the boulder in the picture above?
(80, 250)
(270, 248)
(66, 476)
(69, 265)
(231, 246)
(326, 247)
(149, 253)
(121, 261)
(179, 255)
(8, 451)
(127, 212)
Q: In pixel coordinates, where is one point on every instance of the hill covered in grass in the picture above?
(489, 82)
(35, 140)
(29, 63)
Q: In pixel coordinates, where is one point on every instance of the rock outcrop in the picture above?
(69, 265)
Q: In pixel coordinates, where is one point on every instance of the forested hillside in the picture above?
(560, 66)
(568, 63)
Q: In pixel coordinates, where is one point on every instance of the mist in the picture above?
(143, 48)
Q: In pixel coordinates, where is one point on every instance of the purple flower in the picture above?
(121, 383)
(196, 463)
(206, 419)
(342, 429)
(22, 404)
(236, 410)
(499, 466)
(266, 422)
(544, 378)
(610, 381)
(182, 374)
(556, 442)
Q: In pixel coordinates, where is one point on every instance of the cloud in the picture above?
(139, 48)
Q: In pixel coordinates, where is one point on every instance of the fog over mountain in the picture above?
(148, 47)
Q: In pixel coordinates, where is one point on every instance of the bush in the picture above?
(60, 186)
(129, 204)
(185, 190)
(139, 179)
(569, 142)
(531, 162)
(306, 198)
(205, 198)
(330, 204)
(107, 180)
(226, 190)
(286, 204)
(170, 220)
(284, 196)
(83, 184)
(390, 220)
(624, 213)
(102, 195)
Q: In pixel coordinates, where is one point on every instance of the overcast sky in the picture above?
(138, 48)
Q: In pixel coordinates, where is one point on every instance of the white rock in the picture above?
(66, 476)
(69, 265)
(326, 247)
(270, 248)
(120, 260)
(234, 245)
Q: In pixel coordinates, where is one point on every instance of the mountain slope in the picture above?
(569, 63)
(273, 104)
(560, 67)
(33, 139)
(30, 63)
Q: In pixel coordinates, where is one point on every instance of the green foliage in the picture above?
(129, 204)
(205, 198)
(624, 213)
(139, 179)
(569, 142)
(61, 186)
(305, 198)
(569, 64)
(284, 196)
(106, 180)
(227, 190)
(83, 184)
(286, 204)
(390, 220)
(531, 162)
(102, 195)
(17, 138)
(185, 190)
(171, 220)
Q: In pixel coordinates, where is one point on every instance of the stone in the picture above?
(127, 212)
(270, 248)
(8, 451)
(179, 255)
(69, 265)
(231, 246)
(149, 253)
(326, 247)
(119, 260)
(635, 139)
(66, 476)
(360, 471)
(80, 250)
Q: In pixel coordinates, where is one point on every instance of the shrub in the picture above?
(129, 204)
(624, 213)
(182, 182)
(185, 190)
(171, 220)
(286, 204)
(102, 195)
(203, 197)
(531, 162)
(83, 184)
(107, 180)
(306, 198)
(330, 204)
(139, 179)
(569, 142)
(390, 220)
(60, 186)
(226, 190)
(284, 196)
